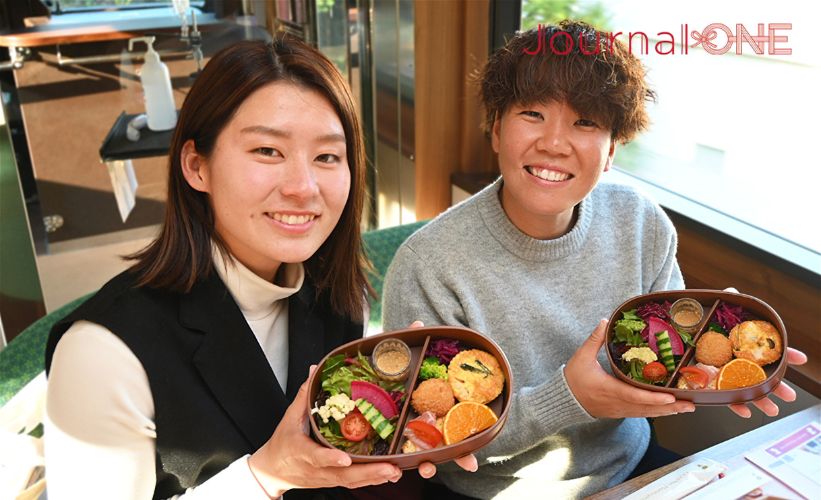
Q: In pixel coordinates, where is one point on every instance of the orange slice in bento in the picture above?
(466, 419)
(740, 373)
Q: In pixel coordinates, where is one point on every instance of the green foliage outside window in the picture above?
(535, 12)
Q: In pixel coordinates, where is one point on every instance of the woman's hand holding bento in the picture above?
(291, 459)
(604, 396)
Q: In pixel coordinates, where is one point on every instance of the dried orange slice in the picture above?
(466, 419)
(740, 373)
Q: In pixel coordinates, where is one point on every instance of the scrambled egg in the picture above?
(644, 354)
(336, 406)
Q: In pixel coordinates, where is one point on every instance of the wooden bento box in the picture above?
(752, 341)
(418, 340)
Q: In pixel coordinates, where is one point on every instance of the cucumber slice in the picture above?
(666, 350)
(380, 424)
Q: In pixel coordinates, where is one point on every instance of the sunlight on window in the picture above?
(737, 133)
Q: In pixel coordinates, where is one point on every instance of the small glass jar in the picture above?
(686, 314)
(391, 360)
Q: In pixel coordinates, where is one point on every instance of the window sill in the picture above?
(772, 244)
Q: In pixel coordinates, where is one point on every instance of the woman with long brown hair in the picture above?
(185, 370)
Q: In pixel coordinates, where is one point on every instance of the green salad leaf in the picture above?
(333, 364)
(339, 380)
(628, 329)
(333, 434)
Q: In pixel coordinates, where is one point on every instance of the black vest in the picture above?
(215, 395)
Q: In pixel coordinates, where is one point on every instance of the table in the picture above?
(725, 452)
(93, 27)
(117, 152)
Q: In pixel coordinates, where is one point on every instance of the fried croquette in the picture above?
(757, 341)
(714, 349)
(433, 395)
(476, 376)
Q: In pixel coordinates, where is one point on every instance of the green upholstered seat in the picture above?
(24, 357)
(381, 245)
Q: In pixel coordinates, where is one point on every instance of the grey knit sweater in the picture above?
(539, 300)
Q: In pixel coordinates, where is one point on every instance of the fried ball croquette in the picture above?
(476, 376)
(757, 341)
(714, 349)
(433, 395)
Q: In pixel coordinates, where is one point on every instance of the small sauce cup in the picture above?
(391, 360)
(686, 314)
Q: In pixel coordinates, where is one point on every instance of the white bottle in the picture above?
(156, 81)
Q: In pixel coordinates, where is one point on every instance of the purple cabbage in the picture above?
(397, 397)
(728, 316)
(660, 310)
(444, 349)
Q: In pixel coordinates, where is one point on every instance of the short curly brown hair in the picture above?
(577, 64)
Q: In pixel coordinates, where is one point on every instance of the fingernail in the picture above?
(397, 474)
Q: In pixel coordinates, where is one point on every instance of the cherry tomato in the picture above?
(654, 372)
(696, 377)
(426, 432)
(354, 426)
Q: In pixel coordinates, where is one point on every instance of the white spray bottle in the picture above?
(156, 81)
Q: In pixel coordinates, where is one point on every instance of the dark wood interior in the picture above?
(448, 116)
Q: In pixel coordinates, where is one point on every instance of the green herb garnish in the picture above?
(480, 369)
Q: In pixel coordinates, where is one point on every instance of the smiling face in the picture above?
(550, 159)
(278, 177)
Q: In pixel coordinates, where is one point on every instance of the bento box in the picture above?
(710, 347)
(429, 394)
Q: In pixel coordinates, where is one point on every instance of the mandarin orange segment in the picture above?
(740, 373)
(466, 419)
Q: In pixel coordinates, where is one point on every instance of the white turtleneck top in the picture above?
(99, 426)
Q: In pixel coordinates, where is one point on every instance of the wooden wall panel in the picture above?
(477, 156)
(451, 40)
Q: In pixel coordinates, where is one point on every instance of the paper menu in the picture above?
(795, 460)
(737, 483)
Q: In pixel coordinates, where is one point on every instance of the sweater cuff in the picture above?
(235, 481)
(554, 404)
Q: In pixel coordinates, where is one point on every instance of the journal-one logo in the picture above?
(715, 39)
